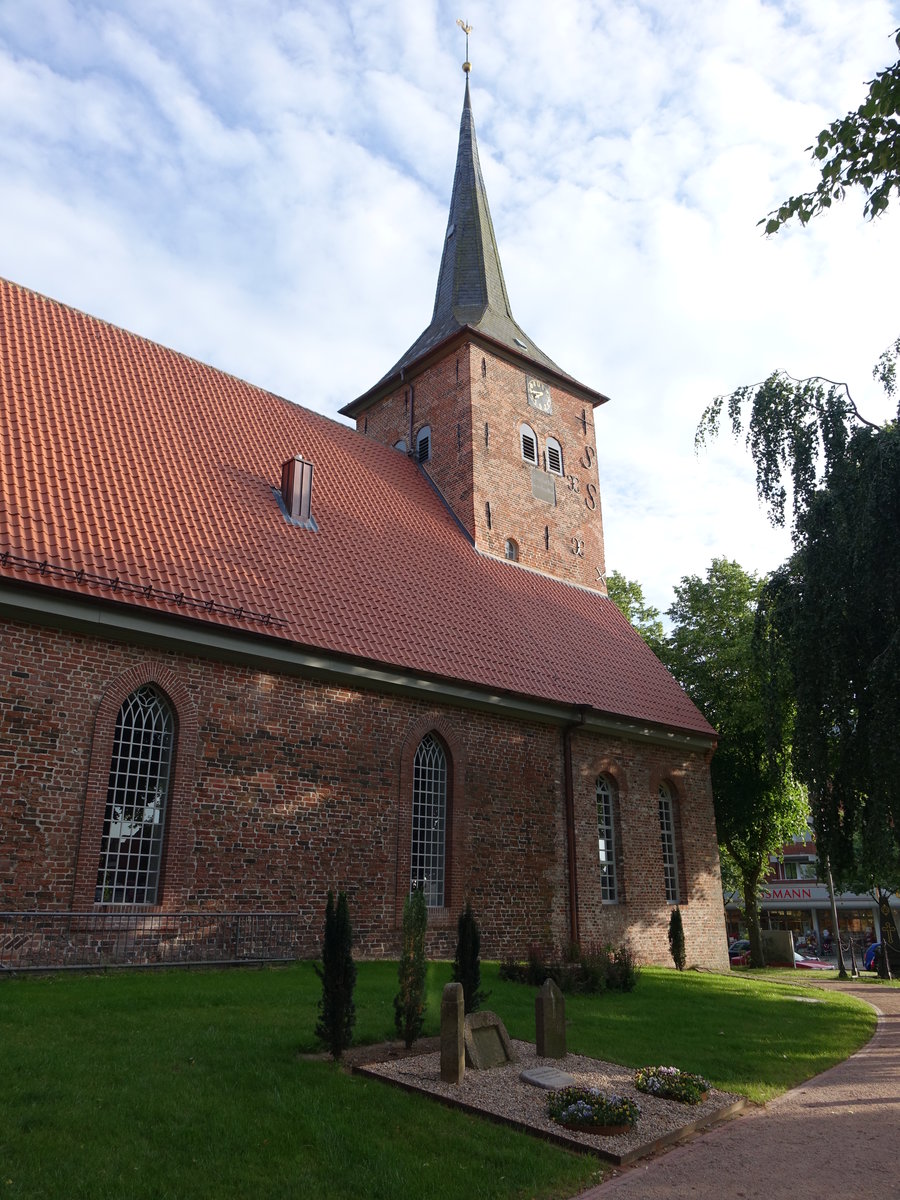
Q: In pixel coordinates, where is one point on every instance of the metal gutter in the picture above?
(131, 623)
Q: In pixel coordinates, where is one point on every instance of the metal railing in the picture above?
(43, 941)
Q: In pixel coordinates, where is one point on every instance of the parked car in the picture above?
(812, 964)
(870, 960)
(738, 949)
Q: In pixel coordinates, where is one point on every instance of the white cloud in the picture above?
(264, 185)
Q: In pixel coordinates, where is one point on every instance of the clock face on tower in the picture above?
(539, 394)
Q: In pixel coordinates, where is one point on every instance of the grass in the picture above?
(189, 1085)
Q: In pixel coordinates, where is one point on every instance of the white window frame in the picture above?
(551, 448)
(528, 444)
(667, 840)
(428, 857)
(423, 440)
(606, 839)
(140, 775)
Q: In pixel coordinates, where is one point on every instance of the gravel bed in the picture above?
(501, 1094)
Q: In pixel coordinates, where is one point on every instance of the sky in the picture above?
(264, 185)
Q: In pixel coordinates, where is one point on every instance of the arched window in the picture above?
(606, 840)
(553, 451)
(667, 838)
(512, 550)
(429, 820)
(136, 800)
(423, 444)
(529, 444)
(401, 445)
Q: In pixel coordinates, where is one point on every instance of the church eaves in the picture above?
(471, 291)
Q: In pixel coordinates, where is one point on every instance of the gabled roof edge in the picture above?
(387, 385)
(47, 606)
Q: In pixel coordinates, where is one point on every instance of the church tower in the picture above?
(505, 436)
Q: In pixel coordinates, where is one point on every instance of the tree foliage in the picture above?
(628, 597)
(861, 149)
(739, 681)
(676, 938)
(337, 1011)
(837, 604)
(409, 1003)
(467, 962)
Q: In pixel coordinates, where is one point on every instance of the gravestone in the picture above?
(487, 1042)
(550, 1021)
(453, 1053)
(549, 1078)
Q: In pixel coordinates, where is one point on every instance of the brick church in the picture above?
(249, 654)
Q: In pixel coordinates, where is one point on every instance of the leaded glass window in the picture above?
(429, 821)
(131, 849)
(606, 841)
(667, 838)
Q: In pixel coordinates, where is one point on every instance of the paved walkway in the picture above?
(836, 1135)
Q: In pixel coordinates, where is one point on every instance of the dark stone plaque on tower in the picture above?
(542, 486)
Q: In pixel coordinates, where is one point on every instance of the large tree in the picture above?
(628, 597)
(738, 680)
(837, 601)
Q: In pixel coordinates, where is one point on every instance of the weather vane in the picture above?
(467, 29)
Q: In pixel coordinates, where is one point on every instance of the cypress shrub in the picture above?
(409, 1003)
(467, 963)
(676, 938)
(337, 1012)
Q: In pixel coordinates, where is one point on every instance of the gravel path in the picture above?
(501, 1094)
(836, 1135)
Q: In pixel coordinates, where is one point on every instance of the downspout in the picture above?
(567, 732)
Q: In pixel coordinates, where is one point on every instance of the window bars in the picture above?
(606, 841)
(429, 820)
(667, 838)
(133, 826)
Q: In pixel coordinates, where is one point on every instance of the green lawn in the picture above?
(189, 1084)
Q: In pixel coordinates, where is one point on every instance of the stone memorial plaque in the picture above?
(487, 1042)
(542, 486)
(549, 1078)
(490, 1048)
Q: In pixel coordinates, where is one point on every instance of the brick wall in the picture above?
(285, 787)
(475, 403)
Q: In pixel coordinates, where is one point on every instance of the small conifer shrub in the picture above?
(409, 1003)
(467, 963)
(676, 938)
(337, 1011)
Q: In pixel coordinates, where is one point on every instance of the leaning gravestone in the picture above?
(550, 1021)
(487, 1042)
(453, 1054)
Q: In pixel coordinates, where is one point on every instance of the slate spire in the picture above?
(470, 280)
(471, 291)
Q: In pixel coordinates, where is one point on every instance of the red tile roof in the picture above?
(130, 462)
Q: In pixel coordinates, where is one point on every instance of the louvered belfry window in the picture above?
(606, 841)
(554, 456)
(529, 444)
(429, 820)
(667, 837)
(139, 774)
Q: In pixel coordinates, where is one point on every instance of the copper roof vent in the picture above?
(296, 491)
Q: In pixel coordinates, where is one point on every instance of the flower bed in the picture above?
(590, 1110)
(669, 1083)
